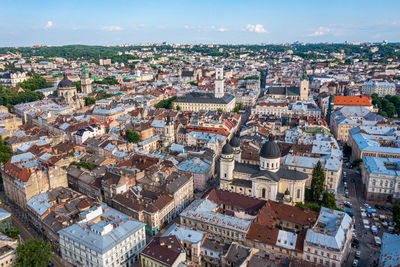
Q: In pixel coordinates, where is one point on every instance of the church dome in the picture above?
(65, 83)
(270, 150)
(227, 149)
(235, 142)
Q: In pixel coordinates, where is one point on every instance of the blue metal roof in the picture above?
(390, 250)
(104, 231)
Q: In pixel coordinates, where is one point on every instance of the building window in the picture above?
(298, 193)
(263, 193)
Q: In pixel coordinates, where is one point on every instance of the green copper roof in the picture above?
(84, 69)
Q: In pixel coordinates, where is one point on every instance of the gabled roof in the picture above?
(164, 249)
(352, 100)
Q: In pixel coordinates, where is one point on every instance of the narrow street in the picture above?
(27, 233)
(369, 252)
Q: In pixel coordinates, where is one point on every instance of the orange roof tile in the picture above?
(352, 100)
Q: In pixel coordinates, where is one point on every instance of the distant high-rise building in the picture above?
(219, 82)
(86, 83)
(103, 62)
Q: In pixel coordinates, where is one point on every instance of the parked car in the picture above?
(358, 254)
(349, 212)
(354, 235)
(378, 241)
(355, 263)
(347, 204)
(346, 194)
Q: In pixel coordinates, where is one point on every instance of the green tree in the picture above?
(132, 136)
(357, 162)
(89, 101)
(317, 181)
(78, 86)
(34, 253)
(220, 110)
(107, 80)
(237, 108)
(87, 165)
(35, 82)
(12, 232)
(178, 108)
(396, 215)
(166, 103)
(346, 149)
(312, 206)
(329, 200)
(5, 151)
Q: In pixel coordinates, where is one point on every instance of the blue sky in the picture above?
(24, 23)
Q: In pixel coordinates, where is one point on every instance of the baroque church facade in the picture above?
(68, 95)
(265, 180)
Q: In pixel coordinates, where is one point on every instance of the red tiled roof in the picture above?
(16, 172)
(263, 234)
(289, 213)
(352, 100)
(235, 200)
(164, 249)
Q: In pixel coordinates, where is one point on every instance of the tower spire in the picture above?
(219, 82)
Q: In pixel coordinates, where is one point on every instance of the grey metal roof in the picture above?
(65, 83)
(89, 236)
(242, 183)
(235, 142)
(270, 150)
(204, 98)
(227, 149)
(280, 90)
(282, 173)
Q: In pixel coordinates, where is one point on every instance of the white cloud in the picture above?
(49, 25)
(111, 28)
(321, 31)
(258, 28)
(204, 28)
(189, 27)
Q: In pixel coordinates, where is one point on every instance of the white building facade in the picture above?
(103, 237)
(379, 88)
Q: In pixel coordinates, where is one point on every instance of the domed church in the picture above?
(265, 180)
(68, 95)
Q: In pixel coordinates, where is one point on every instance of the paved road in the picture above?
(28, 233)
(369, 252)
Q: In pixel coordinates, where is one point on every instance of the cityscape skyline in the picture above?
(200, 133)
(222, 22)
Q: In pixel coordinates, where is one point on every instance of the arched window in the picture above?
(263, 193)
(272, 165)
